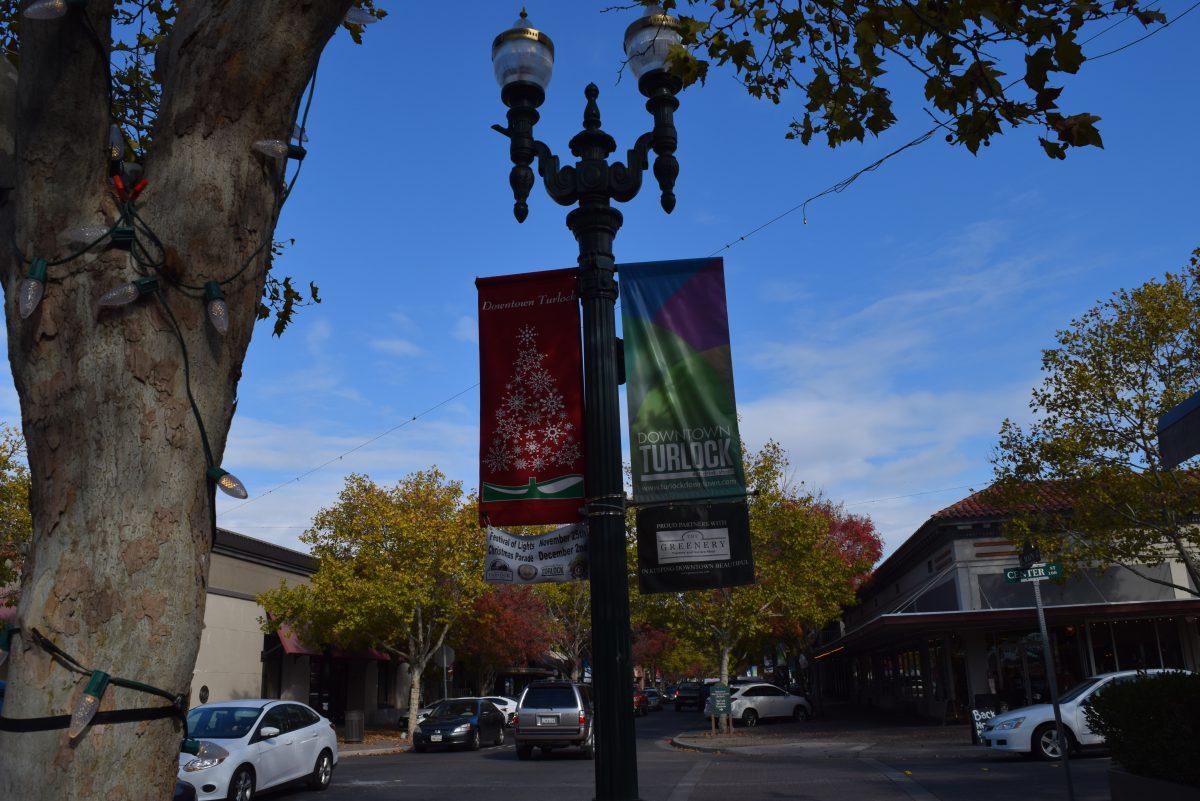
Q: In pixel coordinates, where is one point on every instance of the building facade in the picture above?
(938, 630)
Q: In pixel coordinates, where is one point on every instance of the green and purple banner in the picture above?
(683, 430)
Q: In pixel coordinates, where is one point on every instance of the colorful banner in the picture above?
(530, 399)
(561, 555)
(693, 547)
(683, 431)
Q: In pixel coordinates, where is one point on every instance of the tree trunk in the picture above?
(122, 513)
(726, 650)
(415, 671)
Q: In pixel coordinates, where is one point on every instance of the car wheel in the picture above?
(241, 786)
(419, 748)
(524, 752)
(545, 749)
(473, 741)
(322, 772)
(749, 718)
(499, 736)
(800, 713)
(589, 745)
(1045, 742)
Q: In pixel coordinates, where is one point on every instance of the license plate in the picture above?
(435, 738)
(547, 720)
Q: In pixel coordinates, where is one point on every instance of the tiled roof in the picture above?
(1051, 497)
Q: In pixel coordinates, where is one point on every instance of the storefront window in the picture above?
(1104, 652)
(1137, 645)
(1168, 640)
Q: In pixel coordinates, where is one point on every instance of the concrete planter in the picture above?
(1126, 786)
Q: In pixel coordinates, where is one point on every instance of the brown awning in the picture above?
(889, 628)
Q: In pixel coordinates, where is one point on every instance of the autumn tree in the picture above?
(985, 65)
(112, 399)
(803, 575)
(1114, 371)
(397, 567)
(508, 626)
(649, 645)
(570, 608)
(15, 525)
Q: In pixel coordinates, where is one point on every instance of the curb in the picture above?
(704, 749)
(399, 749)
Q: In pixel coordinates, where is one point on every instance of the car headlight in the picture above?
(1009, 725)
(463, 729)
(203, 763)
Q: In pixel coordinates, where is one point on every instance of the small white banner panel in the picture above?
(560, 555)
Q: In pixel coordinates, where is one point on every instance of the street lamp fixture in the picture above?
(523, 59)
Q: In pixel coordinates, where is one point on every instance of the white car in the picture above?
(256, 744)
(754, 701)
(505, 704)
(1031, 729)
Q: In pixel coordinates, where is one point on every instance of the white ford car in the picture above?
(256, 744)
(1031, 729)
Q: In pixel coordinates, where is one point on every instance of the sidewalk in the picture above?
(375, 743)
(843, 732)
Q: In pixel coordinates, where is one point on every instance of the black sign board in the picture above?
(979, 719)
(1179, 432)
(694, 546)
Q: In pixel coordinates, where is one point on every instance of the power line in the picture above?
(845, 183)
(357, 447)
(912, 494)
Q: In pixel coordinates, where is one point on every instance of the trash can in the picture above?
(354, 726)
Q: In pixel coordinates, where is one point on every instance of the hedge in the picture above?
(1152, 725)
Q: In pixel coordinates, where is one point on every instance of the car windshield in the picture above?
(452, 709)
(1079, 689)
(221, 722)
(549, 698)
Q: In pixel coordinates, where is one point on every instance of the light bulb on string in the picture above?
(279, 149)
(216, 308)
(127, 293)
(298, 133)
(51, 9)
(84, 235)
(31, 289)
(360, 16)
(228, 482)
(116, 143)
(88, 704)
(208, 754)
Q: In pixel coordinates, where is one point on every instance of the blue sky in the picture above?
(882, 342)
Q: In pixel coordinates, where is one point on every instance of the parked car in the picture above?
(268, 743)
(3, 684)
(505, 704)
(468, 722)
(641, 704)
(1031, 729)
(426, 711)
(183, 792)
(668, 694)
(554, 714)
(689, 694)
(654, 699)
(750, 703)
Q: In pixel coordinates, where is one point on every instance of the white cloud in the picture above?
(466, 329)
(397, 347)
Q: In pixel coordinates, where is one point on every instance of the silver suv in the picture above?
(554, 714)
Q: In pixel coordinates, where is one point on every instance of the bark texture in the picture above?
(121, 509)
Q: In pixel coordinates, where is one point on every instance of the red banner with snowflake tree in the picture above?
(530, 399)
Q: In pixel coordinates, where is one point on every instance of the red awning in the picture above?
(292, 644)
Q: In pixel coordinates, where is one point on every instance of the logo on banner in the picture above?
(693, 545)
(498, 571)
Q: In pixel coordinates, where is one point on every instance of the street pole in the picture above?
(1064, 744)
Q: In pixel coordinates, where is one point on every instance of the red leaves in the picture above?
(509, 626)
(854, 537)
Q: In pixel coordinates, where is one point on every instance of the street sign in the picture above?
(1179, 432)
(1046, 570)
(719, 693)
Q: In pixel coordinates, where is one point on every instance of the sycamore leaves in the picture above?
(838, 54)
(16, 526)
(392, 563)
(1115, 369)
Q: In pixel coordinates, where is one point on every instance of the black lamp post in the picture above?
(523, 58)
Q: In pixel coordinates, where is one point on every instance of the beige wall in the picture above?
(229, 662)
(230, 657)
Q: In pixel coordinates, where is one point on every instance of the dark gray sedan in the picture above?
(467, 722)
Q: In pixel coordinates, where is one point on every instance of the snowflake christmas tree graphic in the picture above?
(533, 434)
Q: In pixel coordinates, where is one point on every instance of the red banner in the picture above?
(530, 399)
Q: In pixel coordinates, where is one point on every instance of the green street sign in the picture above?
(719, 694)
(1041, 572)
